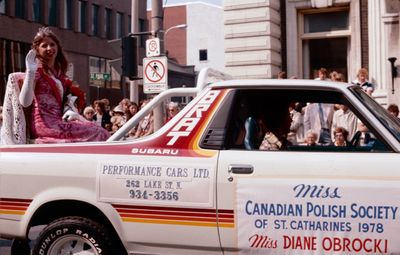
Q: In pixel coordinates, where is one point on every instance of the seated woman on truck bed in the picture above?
(46, 87)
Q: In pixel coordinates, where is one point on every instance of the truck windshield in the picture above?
(391, 122)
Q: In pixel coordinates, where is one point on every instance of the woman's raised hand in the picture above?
(30, 61)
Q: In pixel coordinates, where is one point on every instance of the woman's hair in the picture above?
(101, 105)
(88, 109)
(393, 108)
(341, 130)
(61, 62)
(363, 71)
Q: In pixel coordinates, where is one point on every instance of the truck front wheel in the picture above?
(74, 235)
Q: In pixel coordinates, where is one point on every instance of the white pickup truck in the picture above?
(195, 187)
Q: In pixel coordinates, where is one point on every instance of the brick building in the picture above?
(84, 28)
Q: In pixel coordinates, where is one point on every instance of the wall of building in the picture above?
(175, 40)
(252, 38)
(391, 37)
(205, 32)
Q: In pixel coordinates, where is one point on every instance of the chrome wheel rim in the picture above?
(72, 245)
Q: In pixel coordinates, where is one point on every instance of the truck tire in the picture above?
(72, 235)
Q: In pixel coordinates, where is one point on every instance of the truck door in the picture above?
(305, 200)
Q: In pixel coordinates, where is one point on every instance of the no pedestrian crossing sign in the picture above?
(155, 75)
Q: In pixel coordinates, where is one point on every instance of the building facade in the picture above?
(84, 28)
(263, 37)
(201, 43)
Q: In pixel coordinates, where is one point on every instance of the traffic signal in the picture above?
(129, 57)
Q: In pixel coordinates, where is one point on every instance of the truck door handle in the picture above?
(241, 169)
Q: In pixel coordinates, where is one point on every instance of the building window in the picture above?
(326, 21)
(68, 14)
(95, 20)
(82, 16)
(20, 9)
(101, 74)
(120, 24)
(37, 10)
(2, 6)
(53, 13)
(142, 28)
(324, 31)
(107, 23)
(203, 55)
(12, 59)
(129, 24)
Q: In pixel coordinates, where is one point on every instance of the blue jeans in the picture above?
(325, 137)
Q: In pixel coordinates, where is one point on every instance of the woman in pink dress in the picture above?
(47, 86)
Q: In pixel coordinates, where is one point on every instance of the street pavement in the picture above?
(5, 245)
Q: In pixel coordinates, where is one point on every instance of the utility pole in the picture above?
(157, 19)
(134, 85)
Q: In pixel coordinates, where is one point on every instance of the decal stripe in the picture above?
(193, 214)
(176, 216)
(194, 144)
(14, 206)
(123, 215)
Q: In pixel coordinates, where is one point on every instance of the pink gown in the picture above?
(47, 125)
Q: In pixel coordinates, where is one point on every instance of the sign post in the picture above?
(155, 75)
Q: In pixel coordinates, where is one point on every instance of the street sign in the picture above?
(100, 76)
(155, 75)
(153, 47)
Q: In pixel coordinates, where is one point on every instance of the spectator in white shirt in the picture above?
(296, 134)
(318, 117)
(346, 119)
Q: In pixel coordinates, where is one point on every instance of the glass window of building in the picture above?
(12, 59)
(20, 9)
(107, 23)
(82, 16)
(120, 24)
(203, 55)
(325, 31)
(53, 13)
(129, 24)
(326, 21)
(68, 14)
(2, 6)
(37, 10)
(100, 73)
(95, 20)
(142, 28)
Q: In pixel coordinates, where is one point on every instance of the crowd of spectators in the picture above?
(113, 118)
(328, 124)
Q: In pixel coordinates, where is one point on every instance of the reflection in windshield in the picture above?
(388, 120)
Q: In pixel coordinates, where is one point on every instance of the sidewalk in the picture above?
(5, 247)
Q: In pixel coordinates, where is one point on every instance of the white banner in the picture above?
(298, 216)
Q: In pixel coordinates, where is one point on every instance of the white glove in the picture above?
(71, 115)
(27, 90)
(30, 61)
